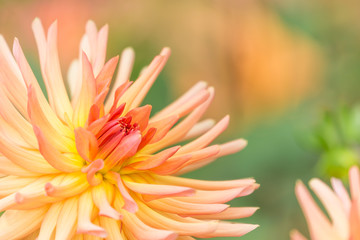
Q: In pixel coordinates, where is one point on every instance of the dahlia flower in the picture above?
(343, 210)
(93, 164)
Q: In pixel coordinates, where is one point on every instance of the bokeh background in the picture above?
(287, 71)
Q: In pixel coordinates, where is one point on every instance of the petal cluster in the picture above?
(93, 164)
(343, 209)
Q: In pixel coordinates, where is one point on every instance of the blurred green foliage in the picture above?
(337, 137)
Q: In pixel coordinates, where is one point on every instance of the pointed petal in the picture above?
(159, 190)
(156, 159)
(142, 231)
(231, 213)
(185, 227)
(226, 229)
(333, 206)
(319, 225)
(190, 94)
(165, 54)
(205, 185)
(87, 93)
(183, 208)
(177, 133)
(295, 235)
(124, 72)
(206, 138)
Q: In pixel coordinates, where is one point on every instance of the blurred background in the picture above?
(287, 71)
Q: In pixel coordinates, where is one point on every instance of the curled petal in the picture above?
(99, 194)
(72, 185)
(91, 172)
(130, 204)
(85, 225)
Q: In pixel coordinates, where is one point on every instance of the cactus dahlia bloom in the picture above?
(343, 210)
(95, 165)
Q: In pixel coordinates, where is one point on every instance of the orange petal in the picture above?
(130, 204)
(333, 206)
(354, 180)
(184, 208)
(142, 231)
(217, 196)
(91, 172)
(159, 190)
(165, 54)
(104, 78)
(101, 200)
(54, 157)
(156, 159)
(295, 235)
(190, 94)
(206, 138)
(184, 227)
(87, 94)
(86, 144)
(29, 160)
(205, 185)
(226, 229)
(132, 92)
(61, 136)
(73, 184)
(162, 127)
(231, 213)
(124, 72)
(318, 224)
(180, 130)
(85, 226)
(127, 148)
(140, 116)
(172, 165)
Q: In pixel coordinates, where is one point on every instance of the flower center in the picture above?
(116, 129)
